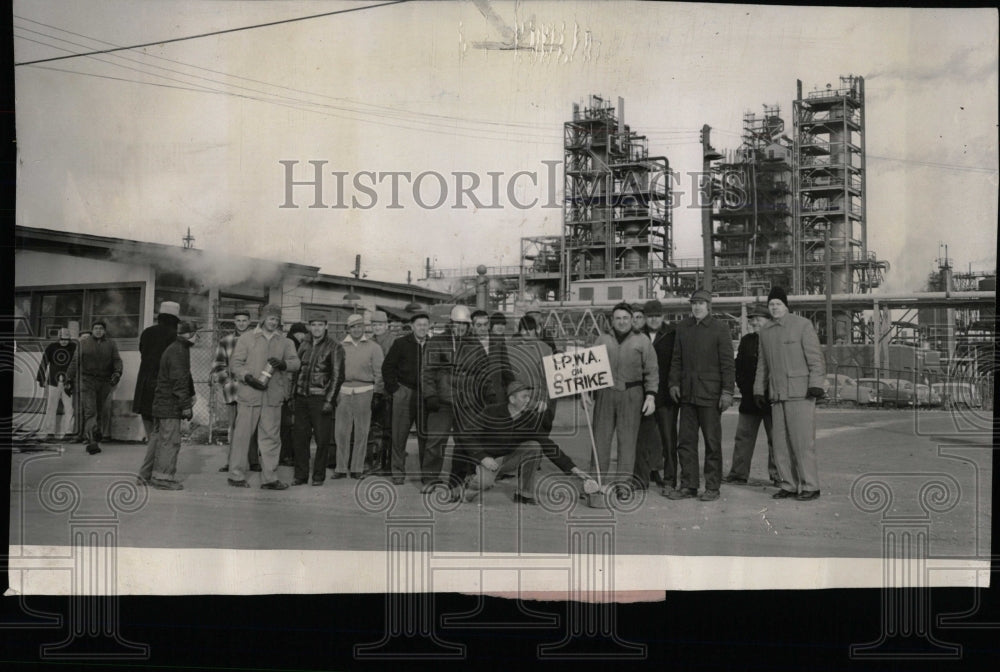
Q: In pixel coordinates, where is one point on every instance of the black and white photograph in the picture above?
(501, 297)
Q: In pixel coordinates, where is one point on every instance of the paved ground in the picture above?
(899, 448)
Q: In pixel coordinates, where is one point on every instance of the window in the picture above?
(252, 304)
(22, 312)
(48, 309)
(58, 309)
(119, 308)
(615, 293)
(586, 293)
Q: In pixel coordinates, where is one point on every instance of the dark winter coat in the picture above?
(153, 342)
(458, 372)
(702, 364)
(663, 345)
(174, 385)
(95, 358)
(402, 364)
(746, 370)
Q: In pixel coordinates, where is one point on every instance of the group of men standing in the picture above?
(674, 381)
(476, 386)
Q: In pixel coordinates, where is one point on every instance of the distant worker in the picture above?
(153, 342)
(702, 376)
(401, 371)
(751, 415)
(230, 385)
(454, 362)
(173, 401)
(619, 409)
(298, 333)
(498, 325)
(262, 359)
(362, 381)
(52, 378)
(638, 318)
(790, 371)
(526, 354)
(657, 445)
(99, 367)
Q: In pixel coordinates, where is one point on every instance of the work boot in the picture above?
(93, 448)
(682, 493)
(709, 495)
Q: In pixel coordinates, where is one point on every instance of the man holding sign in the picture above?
(632, 394)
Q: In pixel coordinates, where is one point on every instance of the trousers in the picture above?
(617, 413)
(794, 438)
(95, 394)
(354, 411)
(747, 429)
(709, 420)
(266, 422)
(404, 415)
(526, 457)
(310, 422)
(253, 456)
(55, 394)
(656, 447)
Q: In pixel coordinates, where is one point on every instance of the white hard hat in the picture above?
(461, 314)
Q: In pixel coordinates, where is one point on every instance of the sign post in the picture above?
(580, 372)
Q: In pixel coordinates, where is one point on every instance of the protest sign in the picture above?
(586, 370)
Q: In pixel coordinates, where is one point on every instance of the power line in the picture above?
(216, 32)
(400, 113)
(379, 110)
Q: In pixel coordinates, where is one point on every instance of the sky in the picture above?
(145, 143)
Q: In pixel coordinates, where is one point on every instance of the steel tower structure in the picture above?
(616, 215)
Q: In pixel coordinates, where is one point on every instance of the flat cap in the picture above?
(701, 295)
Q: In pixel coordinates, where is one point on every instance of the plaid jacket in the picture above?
(223, 354)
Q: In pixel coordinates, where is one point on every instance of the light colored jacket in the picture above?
(633, 361)
(252, 351)
(790, 359)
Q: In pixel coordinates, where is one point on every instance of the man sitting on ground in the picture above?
(511, 435)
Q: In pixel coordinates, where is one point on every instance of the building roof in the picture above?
(324, 279)
(86, 244)
(39, 239)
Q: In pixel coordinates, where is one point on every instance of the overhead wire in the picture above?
(212, 33)
(392, 111)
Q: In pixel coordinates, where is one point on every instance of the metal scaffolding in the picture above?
(616, 215)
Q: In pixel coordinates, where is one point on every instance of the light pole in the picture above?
(829, 290)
